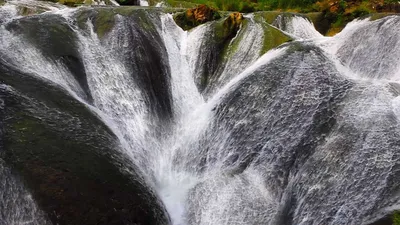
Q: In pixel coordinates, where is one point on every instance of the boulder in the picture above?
(232, 24)
(196, 16)
(57, 41)
(68, 158)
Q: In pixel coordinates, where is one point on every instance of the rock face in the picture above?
(68, 158)
(65, 155)
(196, 16)
(57, 41)
(221, 33)
(232, 24)
(230, 46)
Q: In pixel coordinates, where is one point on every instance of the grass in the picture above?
(248, 5)
(330, 16)
(356, 8)
(396, 218)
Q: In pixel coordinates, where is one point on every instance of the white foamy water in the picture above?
(196, 185)
(297, 26)
(144, 3)
(245, 49)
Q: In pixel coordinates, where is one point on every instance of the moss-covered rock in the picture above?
(144, 48)
(196, 16)
(56, 39)
(68, 158)
(224, 42)
(72, 2)
(268, 16)
(273, 38)
(390, 219)
(222, 32)
(104, 19)
(232, 24)
(377, 16)
(104, 22)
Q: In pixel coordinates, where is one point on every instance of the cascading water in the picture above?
(299, 27)
(245, 49)
(287, 137)
(144, 3)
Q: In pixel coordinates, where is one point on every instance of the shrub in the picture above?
(396, 218)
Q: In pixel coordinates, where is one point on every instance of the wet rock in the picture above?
(224, 43)
(145, 46)
(196, 16)
(232, 24)
(68, 158)
(222, 32)
(55, 38)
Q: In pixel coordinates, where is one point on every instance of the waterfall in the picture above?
(17, 205)
(306, 133)
(384, 45)
(297, 26)
(247, 51)
(144, 3)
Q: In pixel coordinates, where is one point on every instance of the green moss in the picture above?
(181, 4)
(377, 16)
(104, 21)
(104, 18)
(172, 10)
(226, 29)
(182, 21)
(273, 38)
(296, 46)
(314, 16)
(396, 218)
(268, 16)
(71, 3)
(145, 23)
(81, 18)
(126, 10)
(234, 46)
(68, 157)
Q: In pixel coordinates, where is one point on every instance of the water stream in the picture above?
(252, 152)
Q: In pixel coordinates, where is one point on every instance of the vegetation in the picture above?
(333, 14)
(396, 218)
(196, 16)
(356, 6)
